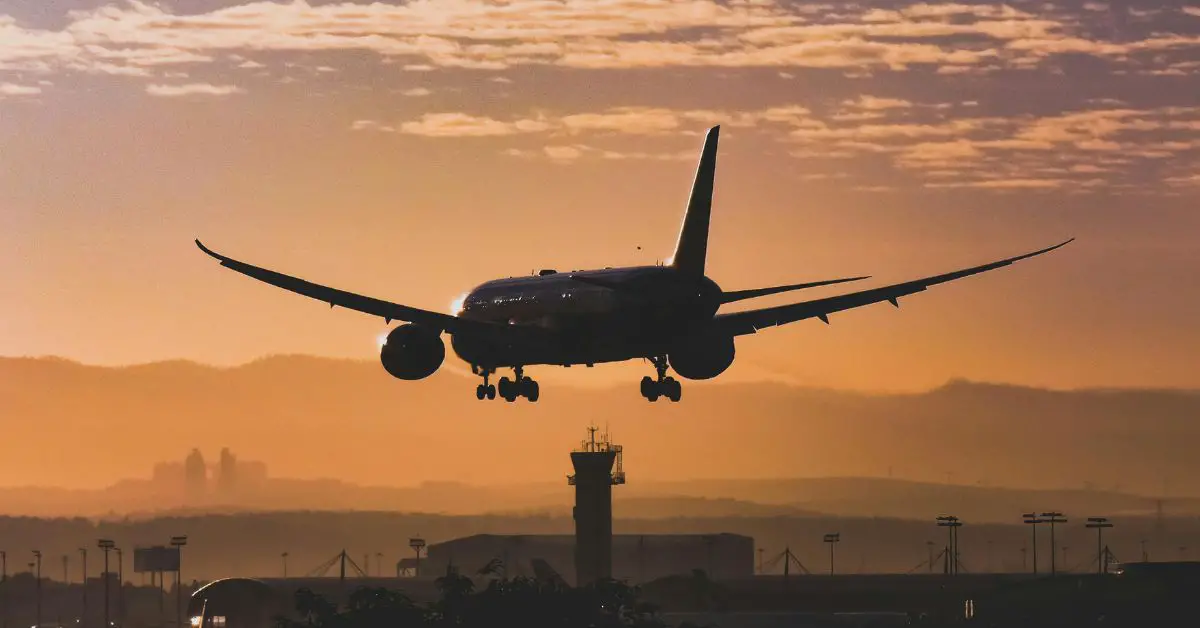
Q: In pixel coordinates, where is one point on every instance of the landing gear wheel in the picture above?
(672, 390)
(484, 390)
(508, 390)
(662, 386)
(529, 389)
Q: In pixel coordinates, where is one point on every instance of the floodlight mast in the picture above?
(832, 539)
(1099, 523)
(1053, 518)
(1032, 519)
(952, 523)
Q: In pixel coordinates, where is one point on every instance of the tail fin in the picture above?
(692, 246)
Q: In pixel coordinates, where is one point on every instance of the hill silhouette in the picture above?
(311, 418)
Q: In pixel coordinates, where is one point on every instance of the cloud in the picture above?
(465, 125)
(191, 89)
(12, 89)
(481, 34)
(417, 91)
(874, 103)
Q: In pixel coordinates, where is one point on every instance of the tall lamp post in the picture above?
(1099, 523)
(83, 574)
(1032, 519)
(952, 524)
(4, 581)
(120, 585)
(417, 543)
(1053, 518)
(832, 539)
(106, 545)
(37, 555)
(178, 542)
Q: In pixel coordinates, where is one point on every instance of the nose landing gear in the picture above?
(663, 386)
(484, 390)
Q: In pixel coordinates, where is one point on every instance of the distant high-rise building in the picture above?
(196, 475)
(227, 473)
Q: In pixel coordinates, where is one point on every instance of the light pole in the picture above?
(37, 555)
(416, 544)
(1032, 519)
(1053, 518)
(105, 545)
(1099, 523)
(120, 585)
(83, 574)
(178, 542)
(4, 580)
(952, 524)
(832, 539)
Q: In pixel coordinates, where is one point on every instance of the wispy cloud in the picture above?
(950, 37)
(192, 89)
(12, 89)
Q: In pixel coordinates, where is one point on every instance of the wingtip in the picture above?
(206, 250)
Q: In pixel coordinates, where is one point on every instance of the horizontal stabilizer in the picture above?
(740, 295)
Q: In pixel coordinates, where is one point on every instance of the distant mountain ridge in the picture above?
(312, 417)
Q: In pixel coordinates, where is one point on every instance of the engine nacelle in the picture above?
(412, 352)
(702, 355)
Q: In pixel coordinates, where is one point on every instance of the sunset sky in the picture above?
(413, 150)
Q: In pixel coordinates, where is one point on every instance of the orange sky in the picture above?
(412, 151)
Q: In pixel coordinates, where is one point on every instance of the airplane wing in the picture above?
(389, 311)
(748, 322)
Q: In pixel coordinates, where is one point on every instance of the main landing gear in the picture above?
(509, 390)
(664, 386)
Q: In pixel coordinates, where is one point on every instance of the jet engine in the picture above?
(412, 352)
(702, 355)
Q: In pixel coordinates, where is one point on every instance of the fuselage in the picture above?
(604, 315)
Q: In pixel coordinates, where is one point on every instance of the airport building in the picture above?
(636, 558)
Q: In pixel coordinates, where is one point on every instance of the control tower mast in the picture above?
(593, 480)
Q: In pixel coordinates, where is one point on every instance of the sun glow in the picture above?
(381, 340)
(456, 306)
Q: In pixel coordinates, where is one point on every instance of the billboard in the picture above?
(155, 559)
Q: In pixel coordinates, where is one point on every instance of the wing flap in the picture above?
(748, 322)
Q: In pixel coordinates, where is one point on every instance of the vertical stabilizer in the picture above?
(692, 246)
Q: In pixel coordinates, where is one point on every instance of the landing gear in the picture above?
(663, 386)
(484, 390)
(521, 386)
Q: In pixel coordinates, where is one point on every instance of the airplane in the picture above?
(666, 313)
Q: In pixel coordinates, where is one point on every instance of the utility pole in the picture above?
(832, 539)
(1032, 519)
(1053, 518)
(105, 545)
(1099, 523)
(37, 555)
(952, 523)
(929, 547)
(284, 557)
(178, 542)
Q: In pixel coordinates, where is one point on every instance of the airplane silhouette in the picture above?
(667, 314)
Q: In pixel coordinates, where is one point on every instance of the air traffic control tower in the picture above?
(593, 480)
